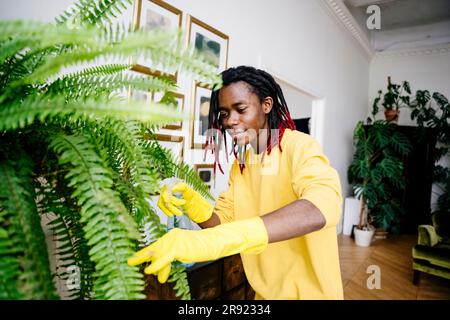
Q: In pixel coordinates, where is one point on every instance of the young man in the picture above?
(281, 207)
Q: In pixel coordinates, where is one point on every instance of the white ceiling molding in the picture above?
(365, 3)
(345, 19)
(414, 52)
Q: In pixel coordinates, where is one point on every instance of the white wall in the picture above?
(299, 103)
(293, 39)
(424, 69)
(45, 10)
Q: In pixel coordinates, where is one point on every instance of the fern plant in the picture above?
(73, 149)
(376, 170)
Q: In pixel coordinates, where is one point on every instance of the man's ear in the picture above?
(267, 104)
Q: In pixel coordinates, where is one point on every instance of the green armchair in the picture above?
(432, 252)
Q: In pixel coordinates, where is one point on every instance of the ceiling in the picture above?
(404, 23)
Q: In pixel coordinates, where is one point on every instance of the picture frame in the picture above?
(179, 98)
(173, 143)
(155, 14)
(138, 95)
(206, 173)
(212, 43)
(201, 97)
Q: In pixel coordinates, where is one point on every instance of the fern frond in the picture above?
(83, 86)
(41, 35)
(135, 198)
(9, 261)
(34, 108)
(93, 12)
(88, 44)
(24, 229)
(14, 68)
(19, 28)
(99, 167)
(188, 174)
(151, 231)
(121, 140)
(72, 246)
(171, 54)
(178, 275)
(163, 160)
(163, 49)
(101, 70)
(107, 226)
(10, 48)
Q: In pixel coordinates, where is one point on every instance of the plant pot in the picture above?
(391, 115)
(381, 234)
(363, 238)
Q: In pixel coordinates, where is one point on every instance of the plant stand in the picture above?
(381, 234)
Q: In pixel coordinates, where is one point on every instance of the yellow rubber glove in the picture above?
(246, 236)
(194, 205)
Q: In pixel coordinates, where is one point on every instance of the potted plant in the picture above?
(377, 168)
(393, 100)
(74, 150)
(433, 111)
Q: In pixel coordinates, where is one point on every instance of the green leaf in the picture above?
(32, 278)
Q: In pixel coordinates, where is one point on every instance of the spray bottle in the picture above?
(183, 221)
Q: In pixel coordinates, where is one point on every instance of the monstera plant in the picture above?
(376, 170)
(432, 110)
(397, 96)
(74, 149)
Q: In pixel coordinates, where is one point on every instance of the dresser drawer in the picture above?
(157, 291)
(238, 293)
(220, 279)
(233, 272)
(205, 282)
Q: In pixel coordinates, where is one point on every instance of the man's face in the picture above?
(242, 113)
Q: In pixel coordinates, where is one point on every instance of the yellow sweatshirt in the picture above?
(305, 267)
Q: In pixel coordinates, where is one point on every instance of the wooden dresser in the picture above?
(222, 279)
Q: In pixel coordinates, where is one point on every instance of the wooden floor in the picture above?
(393, 257)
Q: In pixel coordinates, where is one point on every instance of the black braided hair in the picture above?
(263, 85)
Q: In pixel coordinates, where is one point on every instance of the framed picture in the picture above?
(138, 95)
(179, 100)
(201, 97)
(206, 173)
(173, 143)
(209, 41)
(155, 15)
